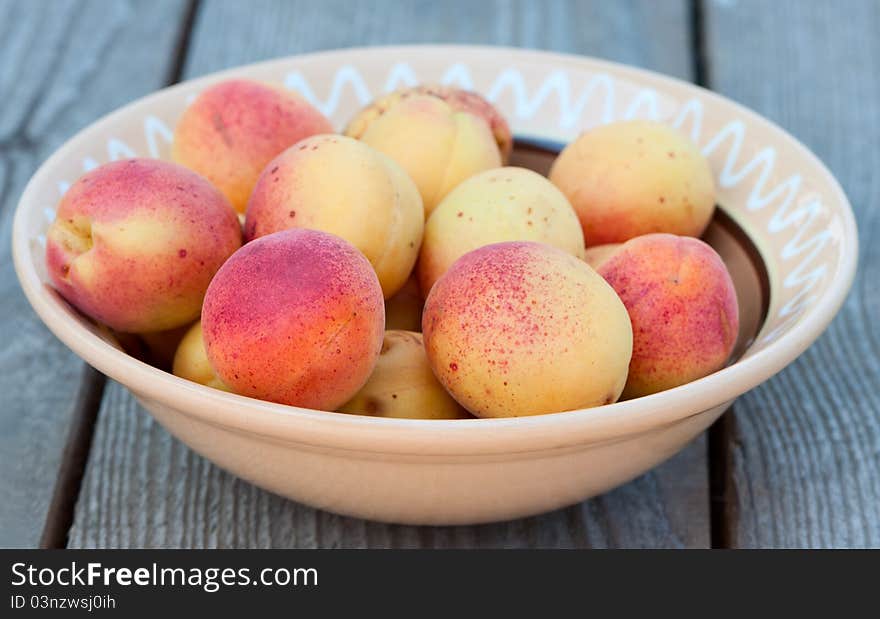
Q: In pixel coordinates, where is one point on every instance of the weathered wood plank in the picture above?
(638, 32)
(59, 71)
(805, 455)
(143, 488)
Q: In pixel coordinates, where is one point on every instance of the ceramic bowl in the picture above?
(784, 228)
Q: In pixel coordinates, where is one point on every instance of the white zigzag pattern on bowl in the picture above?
(806, 243)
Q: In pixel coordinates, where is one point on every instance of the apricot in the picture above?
(595, 256)
(191, 360)
(683, 309)
(135, 244)
(402, 385)
(523, 328)
(436, 144)
(295, 317)
(403, 311)
(234, 128)
(504, 204)
(457, 98)
(632, 178)
(342, 186)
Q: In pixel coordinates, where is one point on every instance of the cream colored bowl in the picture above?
(786, 232)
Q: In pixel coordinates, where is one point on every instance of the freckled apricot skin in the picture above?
(135, 244)
(234, 128)
(342, 186)
(505, 204)
(522, 328)
(435, 144)
(632, 178)
(682, 305)
(402, 385)
(295, 317)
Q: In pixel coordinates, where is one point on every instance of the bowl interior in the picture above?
(784, 228)
(724, 234)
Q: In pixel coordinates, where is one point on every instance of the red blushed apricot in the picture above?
(234, 128)
(682, 305)
(135, 244)
(523, 328)
(295, 317)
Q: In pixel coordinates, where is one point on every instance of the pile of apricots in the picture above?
(401, 268)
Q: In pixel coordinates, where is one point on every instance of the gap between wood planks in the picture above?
(84, 411)
(59, 517)
(722, 503)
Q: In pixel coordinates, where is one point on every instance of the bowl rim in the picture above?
(418, 437)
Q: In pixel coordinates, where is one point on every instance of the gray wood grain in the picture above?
(806, 445)
(58, 72)
(143, 488)
(639, 32)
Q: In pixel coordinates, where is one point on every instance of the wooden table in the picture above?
(797, 463)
